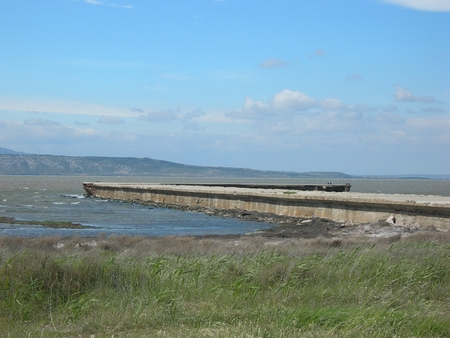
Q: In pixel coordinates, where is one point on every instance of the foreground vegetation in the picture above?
(187, 287)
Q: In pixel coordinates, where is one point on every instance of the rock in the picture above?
(390, 219)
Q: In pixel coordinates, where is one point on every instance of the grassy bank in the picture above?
(186, 287)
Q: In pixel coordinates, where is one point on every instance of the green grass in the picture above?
(185, 287)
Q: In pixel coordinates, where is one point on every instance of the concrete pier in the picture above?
(411, 210)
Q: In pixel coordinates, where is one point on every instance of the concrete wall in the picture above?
(344, 207)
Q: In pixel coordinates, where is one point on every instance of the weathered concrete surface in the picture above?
(414, 210)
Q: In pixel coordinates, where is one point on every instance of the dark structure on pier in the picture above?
(300, 187)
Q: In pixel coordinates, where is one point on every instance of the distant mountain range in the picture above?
(25, 164)
(5, 151)
(18, 163)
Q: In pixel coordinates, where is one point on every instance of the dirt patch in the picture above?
(312, 228)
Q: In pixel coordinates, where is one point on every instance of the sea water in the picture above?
(47, 198)
(58, 198)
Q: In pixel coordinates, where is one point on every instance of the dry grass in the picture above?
(198, 246)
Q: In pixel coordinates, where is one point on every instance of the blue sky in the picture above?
(359, 86)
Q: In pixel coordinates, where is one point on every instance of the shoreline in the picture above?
(426, 212)
(283, 227)
(287, 227)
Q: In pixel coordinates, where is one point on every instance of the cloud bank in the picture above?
(286, 102)
(285, 132)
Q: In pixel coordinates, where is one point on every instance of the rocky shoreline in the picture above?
(47, 224)
(293, 227)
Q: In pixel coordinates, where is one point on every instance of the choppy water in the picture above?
(56, 198)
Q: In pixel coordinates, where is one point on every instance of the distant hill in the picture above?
(24, 164)
(6, 151)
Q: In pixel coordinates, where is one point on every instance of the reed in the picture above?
(248, 287)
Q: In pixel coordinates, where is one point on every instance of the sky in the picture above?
(356, 86)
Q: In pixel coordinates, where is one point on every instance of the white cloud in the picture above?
(189, 125)
(423, 5)
(251, 110)
(123, 6)
(160, 116)
(431, 126)
(293, 100)
(332, 104)
(172, 115)
(404, 95)
(361, 108)
(63, 107)
(193, 114)
(272, 63)
(292, 113)
(288, 102)
(97, 2)
(137, 110)
(78, 123)
(94, 2)
(432, 110)
(40, 122)
(257, 105)
(37, 134)
(390, 109)
(110, 120)
(385, 117)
